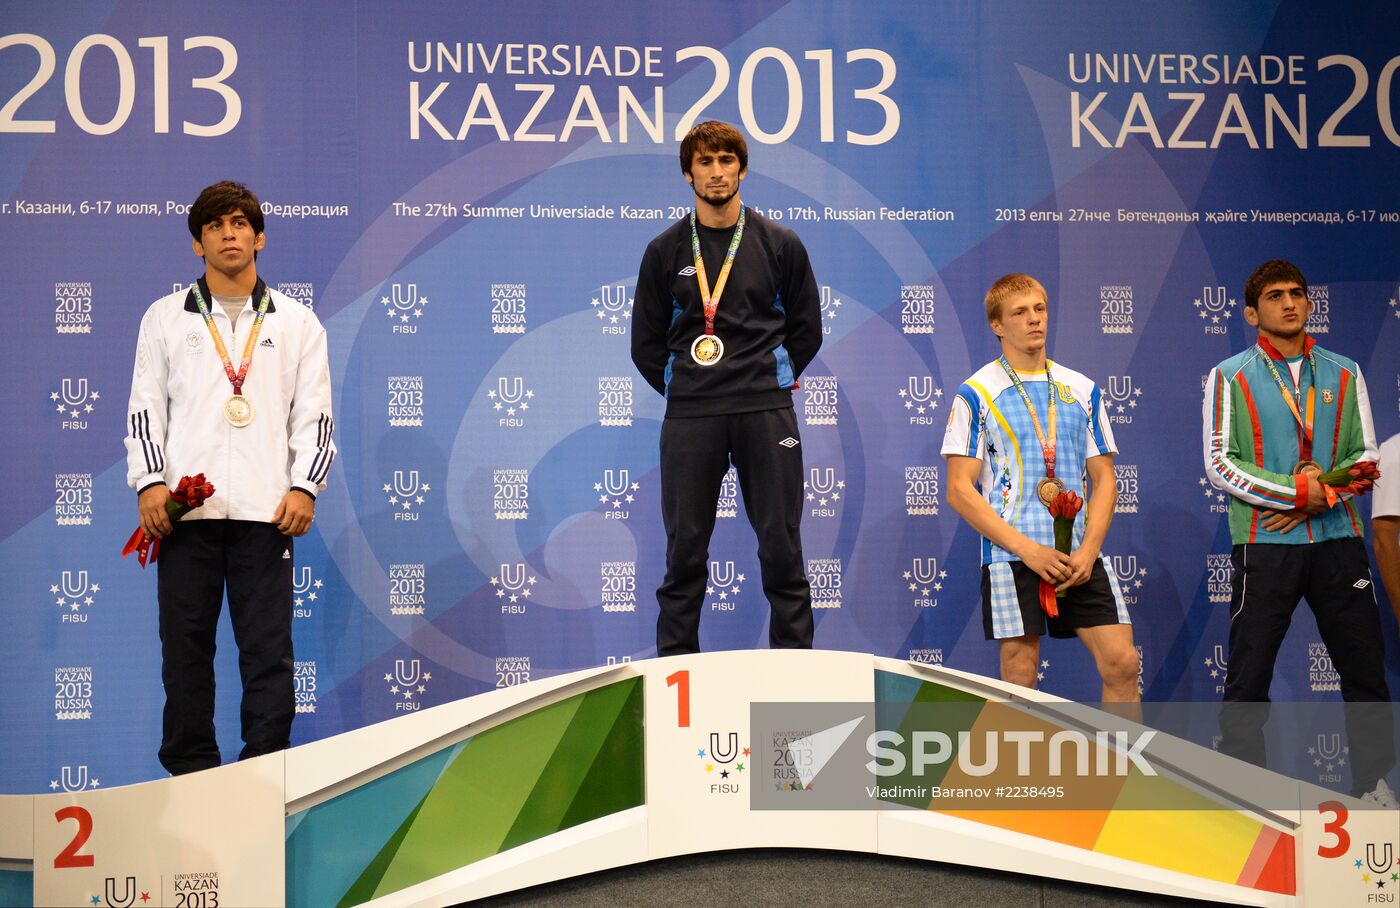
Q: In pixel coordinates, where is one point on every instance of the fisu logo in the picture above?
(615, 493)
(128, 896)
(1120, 388)
(75, 393)
(920, 396)
(74, 588)
(513, 576)
(728, 752)
(403, 305)
(823, 491)
(613, 297)
(74, 778)
(723, 588)
(1382, 860)
(924, 581)
(1212, 305)
(511, 398)
(406, 485)
(74, 401)
(615, 482)
(510, 389)
(72, 592)
(408, 674)
(1129, 576)
(613, 308)
(1217, 667)
(1329, 746)
(830, 307)
(1122, 395)
(403, 298)
(306, 589)
(407, 679)
(925, 570)
(301, 581)
(512, 584)
(405, 491)
(722, 762)
(1213, 299)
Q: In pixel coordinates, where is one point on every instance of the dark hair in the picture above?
(1271, 272)
(220, 199)
(712, 135)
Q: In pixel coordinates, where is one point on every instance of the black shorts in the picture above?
(1011, 602)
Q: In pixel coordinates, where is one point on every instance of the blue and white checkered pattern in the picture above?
(1006, 608)
(989, 420)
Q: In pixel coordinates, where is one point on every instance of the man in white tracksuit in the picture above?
(231, 380)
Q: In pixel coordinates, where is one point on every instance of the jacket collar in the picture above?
(258, 289)
(1273, 353)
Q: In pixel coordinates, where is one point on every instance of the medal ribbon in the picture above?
(236, 379)
(1292, 398)
(711, 301)
(1047, 447)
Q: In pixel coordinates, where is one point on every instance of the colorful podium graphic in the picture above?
(665, 757)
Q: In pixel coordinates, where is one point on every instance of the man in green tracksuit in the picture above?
(1275, 417)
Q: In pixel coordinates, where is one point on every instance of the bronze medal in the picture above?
(238, 411)
(706, 350)
(1047, 490)
(1309, 467)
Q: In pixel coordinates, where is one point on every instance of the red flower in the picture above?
(1066, 505)
(189, 494)
(1358, 479)
(1365, 469)
(192, 491)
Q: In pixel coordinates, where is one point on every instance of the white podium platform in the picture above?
(646, 760)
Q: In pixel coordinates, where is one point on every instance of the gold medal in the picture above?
(706, 350)
(1310, 467)
(238, 411)
(1047, 490)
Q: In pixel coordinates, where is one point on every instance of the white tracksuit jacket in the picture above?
(175, 421)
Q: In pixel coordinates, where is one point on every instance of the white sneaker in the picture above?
(1381, 796)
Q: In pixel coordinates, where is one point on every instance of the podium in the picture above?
(651, 759)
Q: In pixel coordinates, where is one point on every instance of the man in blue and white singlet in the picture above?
(1012, 445)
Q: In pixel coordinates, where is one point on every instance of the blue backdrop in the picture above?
(463, 192)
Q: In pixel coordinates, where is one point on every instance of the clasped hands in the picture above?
(1057, 568)
(1283, 521)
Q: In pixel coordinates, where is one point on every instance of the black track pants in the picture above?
(195, 563)
(695, 454)
(1335, 578)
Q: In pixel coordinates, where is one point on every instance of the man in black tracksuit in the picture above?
(728, 382)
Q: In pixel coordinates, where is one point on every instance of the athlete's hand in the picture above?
(294, 513)
(150, 510)
(1052, 566)
(1081, 565)
(1283, 521)
(1317, 498)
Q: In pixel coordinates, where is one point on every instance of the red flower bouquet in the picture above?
(1358, 479)
(1064, 508)
(188, 495)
